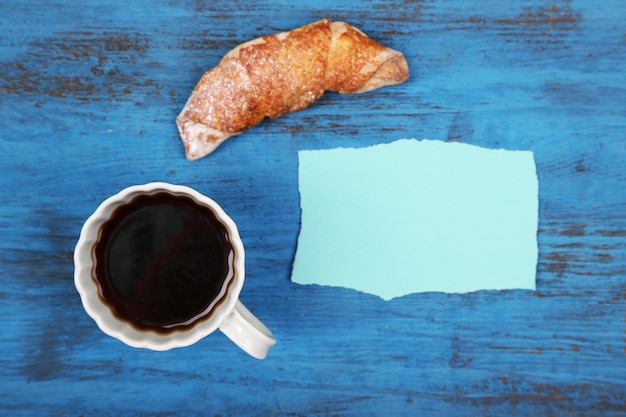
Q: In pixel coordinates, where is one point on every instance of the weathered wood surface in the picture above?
(88, 95)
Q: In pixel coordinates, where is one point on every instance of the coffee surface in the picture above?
(161, 261)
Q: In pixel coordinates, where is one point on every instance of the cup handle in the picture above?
(247, 332)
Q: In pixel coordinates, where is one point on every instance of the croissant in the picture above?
(281, 73)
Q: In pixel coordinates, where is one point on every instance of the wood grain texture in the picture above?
(88, 96)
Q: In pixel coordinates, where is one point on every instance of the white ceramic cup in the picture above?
(230, 315)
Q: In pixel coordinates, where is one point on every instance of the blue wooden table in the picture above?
(89, 91)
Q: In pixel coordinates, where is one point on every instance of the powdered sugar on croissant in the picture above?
(281, 73)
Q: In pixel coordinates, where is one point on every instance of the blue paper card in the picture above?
(415, 216)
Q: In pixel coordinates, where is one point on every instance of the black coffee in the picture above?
(161, 261)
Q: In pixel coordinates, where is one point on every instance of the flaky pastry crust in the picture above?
(282, 73)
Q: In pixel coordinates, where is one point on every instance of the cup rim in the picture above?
(124, 331)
